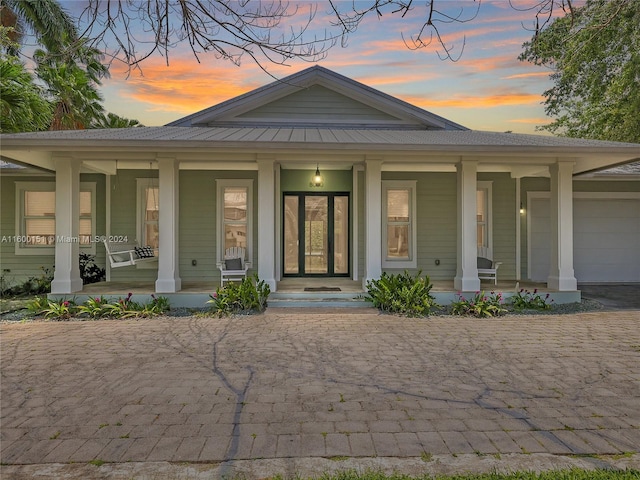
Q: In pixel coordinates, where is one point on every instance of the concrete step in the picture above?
(318, 300)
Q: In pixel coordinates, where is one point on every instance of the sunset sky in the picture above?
(486, 89)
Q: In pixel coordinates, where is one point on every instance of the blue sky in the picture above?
(486, 89)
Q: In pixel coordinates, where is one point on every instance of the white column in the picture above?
(561, 274)
(168, 227)
(66, 277)
(466, 279)
(267, 222)
(373, 220)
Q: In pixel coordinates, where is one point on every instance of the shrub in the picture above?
(526, 300)
(95, 307)
(402, 294)
(99, 307)
(38, 305)
(248, 296)
(480, 305)
(89, 271)
(60, 309)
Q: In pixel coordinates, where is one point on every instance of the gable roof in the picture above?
(317, 97)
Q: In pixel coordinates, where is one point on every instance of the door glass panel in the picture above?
(291, 263)
(315, 238)
(340, 235)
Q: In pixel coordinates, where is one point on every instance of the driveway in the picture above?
(336, 384)
(619, 297)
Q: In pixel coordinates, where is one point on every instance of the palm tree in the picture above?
(111, 120)
(75, 98)
(46, 19)
(22, 106)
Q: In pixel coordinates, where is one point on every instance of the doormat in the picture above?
(322, 289)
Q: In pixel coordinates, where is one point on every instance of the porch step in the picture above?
(317, 300)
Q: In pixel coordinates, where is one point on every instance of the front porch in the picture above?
(304, 292)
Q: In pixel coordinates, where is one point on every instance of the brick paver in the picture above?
(286, 384)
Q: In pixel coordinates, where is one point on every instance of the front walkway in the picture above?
(286, 384)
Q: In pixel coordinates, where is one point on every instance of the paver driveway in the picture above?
(287, 384)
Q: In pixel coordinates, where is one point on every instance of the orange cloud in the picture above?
(476, 101)
(184, 86)
(527, 75)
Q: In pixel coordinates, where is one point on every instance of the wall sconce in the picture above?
(317, 180)
(521, 209)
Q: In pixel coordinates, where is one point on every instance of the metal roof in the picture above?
(305, 137)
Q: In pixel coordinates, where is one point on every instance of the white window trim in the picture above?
(221, 184)
(141, 184)
(488, 186)
(413, 224)
(21, 187)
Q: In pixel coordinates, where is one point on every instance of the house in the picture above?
(399, 188)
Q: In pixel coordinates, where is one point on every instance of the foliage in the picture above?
(247, 296)
(595, 57)
(526, 300)
(22, 105)
(402, 294)
(33, 285)
(99, 307)
(480, 305)
(69, 69)
(89, 271)
(565, 474)
(59, 309)
(37, 305)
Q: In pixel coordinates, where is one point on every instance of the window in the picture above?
(36, 218)
(399, 224)
(483, 218)
(148, 213)
(234, 219)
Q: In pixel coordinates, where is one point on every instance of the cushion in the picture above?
(233, 264)
(144, 252)
(120, 257)
(484, 263)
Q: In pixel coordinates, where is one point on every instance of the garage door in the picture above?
(606, 235)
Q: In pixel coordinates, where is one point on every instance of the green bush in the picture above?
(247, 296)
(98, 307)
(526, 300)
(60, 309)
(480, 305)
(402, 294)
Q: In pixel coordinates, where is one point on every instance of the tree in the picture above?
(260, 30)
(45, 19)
(22, 105)
(595, 58)
(111, 120)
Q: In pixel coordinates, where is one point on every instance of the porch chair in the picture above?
(233, 266)
(488, 269)
(126, 254)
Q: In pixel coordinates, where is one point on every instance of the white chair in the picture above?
(488, 269)
(125, 254)
(233, 266)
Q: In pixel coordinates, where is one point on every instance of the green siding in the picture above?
(318, 103)
(300, 181)
(17, 268)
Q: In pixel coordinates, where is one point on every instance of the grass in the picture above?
(572, 474)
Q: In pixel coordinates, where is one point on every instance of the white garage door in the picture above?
(606, 235)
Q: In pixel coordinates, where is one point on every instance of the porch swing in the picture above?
(122, 254)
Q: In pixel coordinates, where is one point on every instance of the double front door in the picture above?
(316, 234)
